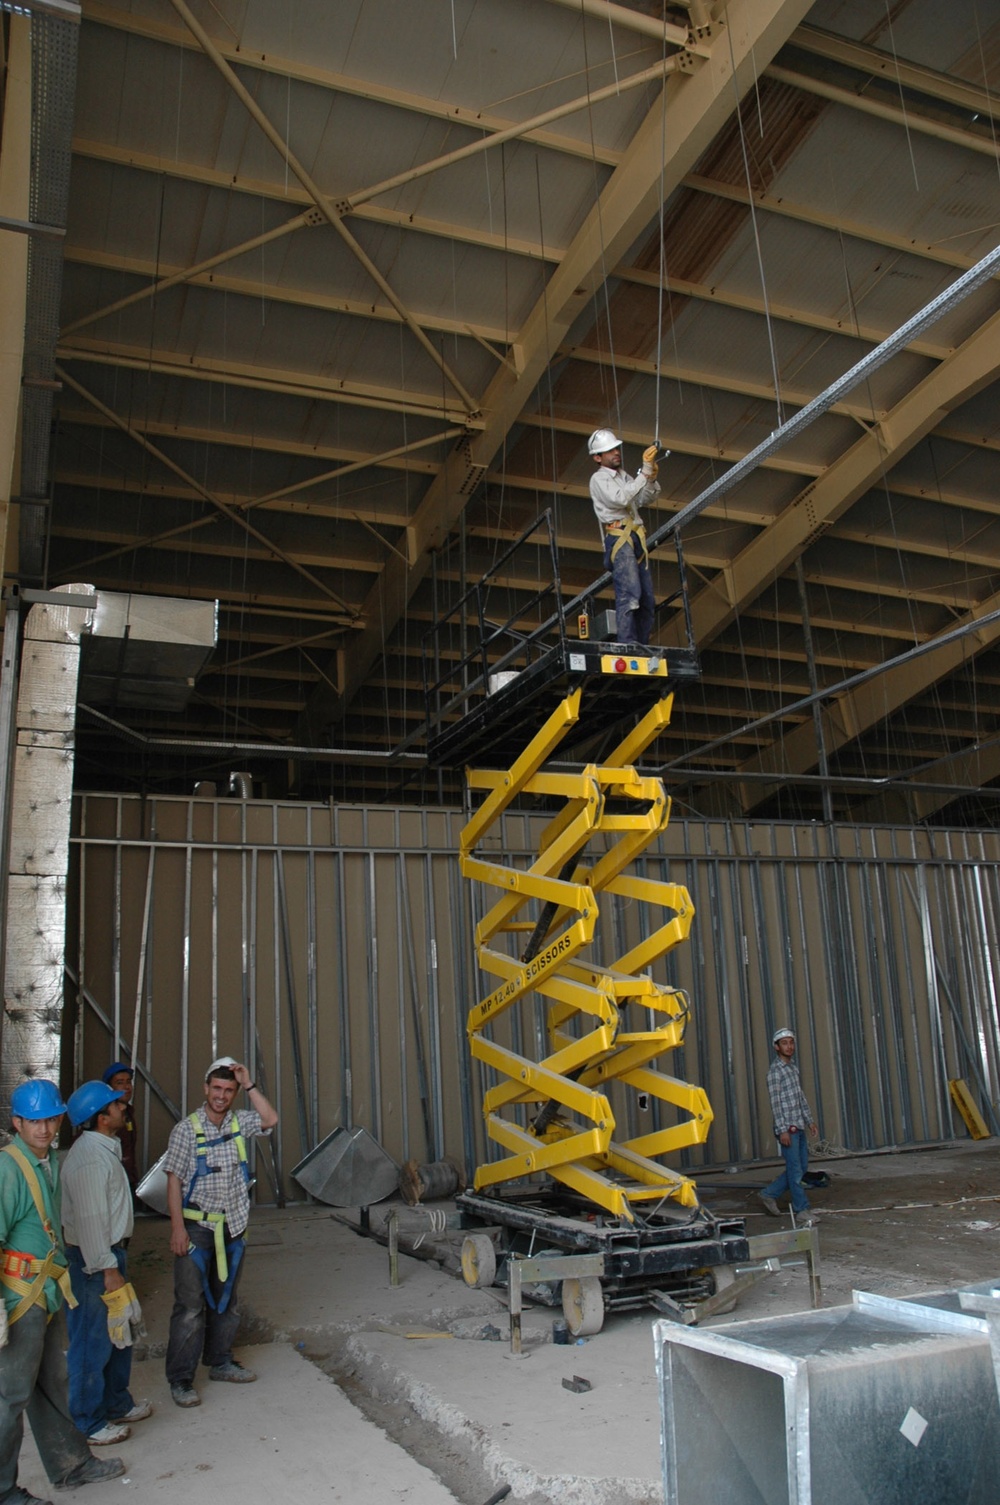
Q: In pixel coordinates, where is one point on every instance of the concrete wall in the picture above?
(332, 950)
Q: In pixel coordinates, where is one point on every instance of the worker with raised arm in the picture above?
(208, 1198)
(617, 497)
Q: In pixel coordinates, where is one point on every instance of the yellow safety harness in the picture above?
(26, 1274)
(196, 1214)
(625, 530)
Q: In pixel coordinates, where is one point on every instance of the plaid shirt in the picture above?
(788, 1101)
(224, 1188)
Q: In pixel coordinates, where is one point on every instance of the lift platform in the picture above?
(560, 1179)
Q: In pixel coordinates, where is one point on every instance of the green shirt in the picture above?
(20, 1226)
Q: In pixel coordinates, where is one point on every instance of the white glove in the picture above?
(3, 1324)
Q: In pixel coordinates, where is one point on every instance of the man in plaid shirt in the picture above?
(793, 1122)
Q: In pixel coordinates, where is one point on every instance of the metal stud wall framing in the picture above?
(332, 950)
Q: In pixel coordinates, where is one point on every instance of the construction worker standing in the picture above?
(35, 1281)
(617, 497)
(208, 1197)
(97, 1221)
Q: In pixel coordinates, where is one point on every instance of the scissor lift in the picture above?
(562, 1180)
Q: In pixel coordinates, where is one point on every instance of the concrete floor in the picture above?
(385, 1394)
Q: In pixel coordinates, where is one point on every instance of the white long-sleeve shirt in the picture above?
(96, 1199)
(618, 496)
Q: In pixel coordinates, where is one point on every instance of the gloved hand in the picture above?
(3, 1324)
(123, 1308)
(649, 466)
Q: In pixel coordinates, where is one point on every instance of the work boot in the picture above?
(92, 1471)
(808, 1219)
(770, 1205)
(184, 1395)
(233, 1371)
(22, 1497)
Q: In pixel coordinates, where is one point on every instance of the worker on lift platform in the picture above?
(617, 497)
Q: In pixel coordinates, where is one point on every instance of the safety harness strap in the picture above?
(625, 531)
(25, 1274)
(216, 1219)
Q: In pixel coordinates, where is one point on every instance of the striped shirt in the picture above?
(97, 1199)
(788, 1101)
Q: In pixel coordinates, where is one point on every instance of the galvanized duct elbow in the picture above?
(39, 844)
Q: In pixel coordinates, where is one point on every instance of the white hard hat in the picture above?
(217, 1065)
(601, 440)
(782, 1034)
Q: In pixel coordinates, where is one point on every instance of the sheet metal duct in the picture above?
(155, 645)
(878, 1401)
(348, 1169)
(40, 800)
(146, 651)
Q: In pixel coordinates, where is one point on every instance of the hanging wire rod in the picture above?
(830, 692)
(928, 315)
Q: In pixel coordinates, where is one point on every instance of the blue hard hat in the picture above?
(90, 1098)
(38, 1098)
(115, 1068)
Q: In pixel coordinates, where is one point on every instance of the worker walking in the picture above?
(793, 1126)
(35, 1282)
(208, 1197)
(617, 497)
(97, 1222)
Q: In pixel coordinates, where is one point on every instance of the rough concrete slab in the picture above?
(318, 1303)
(294, 1436)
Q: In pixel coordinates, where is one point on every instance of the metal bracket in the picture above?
(534, 1271)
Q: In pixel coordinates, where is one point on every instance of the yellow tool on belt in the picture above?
(26, 1274)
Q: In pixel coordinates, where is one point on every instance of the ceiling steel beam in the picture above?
(206, 495)
(374, 90)
(857, 711)
(967, 371)
(347, 203)
(896, 70)
(272, 498)
(258, 290)
(263, 378)
(259, 188)
(809, 214)
(295, 448)
(908, 119)
(198, 272)
(692, 109)
(319, 198)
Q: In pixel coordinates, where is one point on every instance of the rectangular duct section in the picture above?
(130, 646)
(880, 1400)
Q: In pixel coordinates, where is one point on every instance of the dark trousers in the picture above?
(635, 604)
(98, 1372)
(33, 1380)
(196, 1332)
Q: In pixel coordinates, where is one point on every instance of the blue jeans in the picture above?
(796, 1158)
(98, 1372)
(635, 604)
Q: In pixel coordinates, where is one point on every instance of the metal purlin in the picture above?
(589, 1046)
